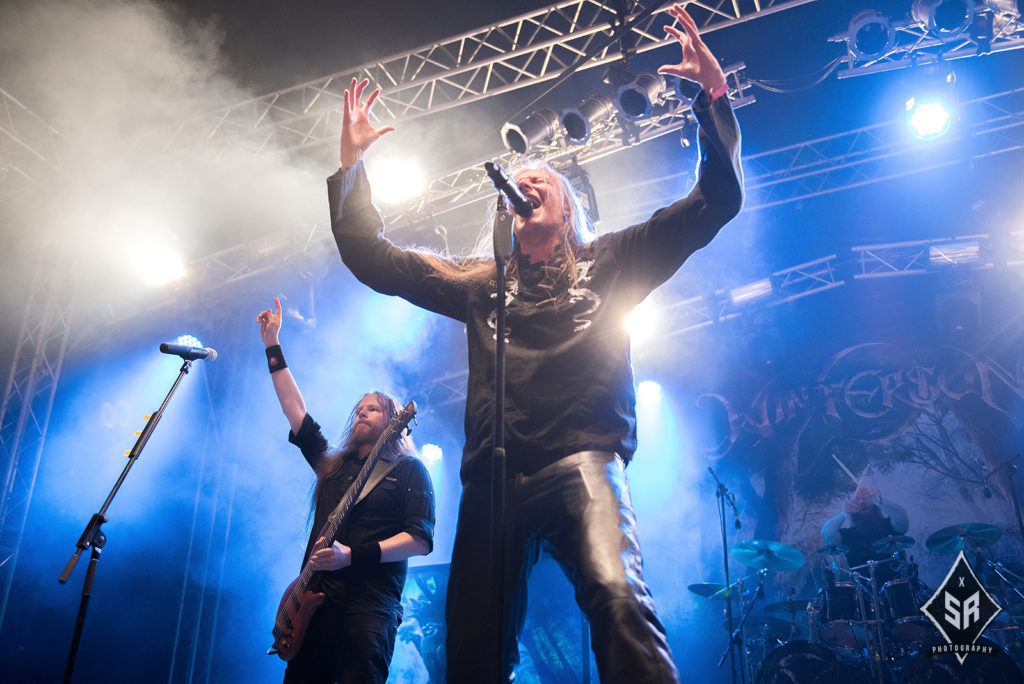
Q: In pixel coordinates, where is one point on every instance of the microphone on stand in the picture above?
(188, 353)
(730, 498)
(506, 185)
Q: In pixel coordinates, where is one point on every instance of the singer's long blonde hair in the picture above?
(478, 267)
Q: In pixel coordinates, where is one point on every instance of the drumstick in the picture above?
(846, 470)
(863, 475)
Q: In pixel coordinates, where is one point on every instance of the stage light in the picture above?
(944, 18)
(577, 123)
(745, 294)
(536, 129)
(870, 36)
(636, 99)
(648, 392)
(155, 263)
(642, 322)
(189, 341)
(396, 179)
(954, 253)
(929, 117)
(931, 109)
(431, 454)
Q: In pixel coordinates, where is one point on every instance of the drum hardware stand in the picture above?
(734, 637)
(722, 493)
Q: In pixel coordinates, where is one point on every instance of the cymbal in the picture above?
(767, 555)
(706, 589)
(892, 543)
(834, 550)
(963, 536)
(790, 606)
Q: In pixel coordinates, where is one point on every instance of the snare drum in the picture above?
(899, 606)
(842, 616)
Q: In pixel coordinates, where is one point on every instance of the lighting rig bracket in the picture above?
(876, 43)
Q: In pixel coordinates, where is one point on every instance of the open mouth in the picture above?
(535, 203)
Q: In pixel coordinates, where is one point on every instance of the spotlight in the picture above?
(155, 263)
(944, 18)
(431, 454)
(636, 99)
(931, 111)
(189, 341)
(869, 36)
(577, 123)
(396, 179)
(648, 392)
(642, 322)
(537, 128)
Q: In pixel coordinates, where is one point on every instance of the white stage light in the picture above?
(431, 454)
(396, 179)
(929, 118)
(643, 321)
(156, 263)
(648, 392)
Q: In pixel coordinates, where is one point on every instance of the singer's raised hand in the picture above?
(356, 132)
(270, 324)
(698, 64)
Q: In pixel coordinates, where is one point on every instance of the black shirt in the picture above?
(570, 383)
(401, 502)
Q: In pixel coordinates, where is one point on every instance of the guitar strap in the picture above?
(380, 470)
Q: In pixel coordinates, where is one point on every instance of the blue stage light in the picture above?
(929, 117)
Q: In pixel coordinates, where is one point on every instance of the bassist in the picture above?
(351, 635)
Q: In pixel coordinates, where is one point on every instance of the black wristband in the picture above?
(275, 359)
(366, 555)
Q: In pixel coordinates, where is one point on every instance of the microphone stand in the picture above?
(722, 493)
(734, 636)
(93, 537)
(502, 235)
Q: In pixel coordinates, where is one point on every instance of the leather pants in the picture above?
(578, 509)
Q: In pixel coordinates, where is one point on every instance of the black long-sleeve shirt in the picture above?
(569, 379)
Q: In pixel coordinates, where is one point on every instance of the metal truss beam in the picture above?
(29, 147)
(27, 403)
(910, 43)
(532, 48)
(796, 172)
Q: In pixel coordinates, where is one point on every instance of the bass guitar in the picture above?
(299, 603)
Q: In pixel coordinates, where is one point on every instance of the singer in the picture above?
(351, 636)
(570, 420)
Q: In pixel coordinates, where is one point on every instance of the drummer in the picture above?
(871, 521)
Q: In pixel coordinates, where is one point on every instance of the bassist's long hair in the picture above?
(400, 444)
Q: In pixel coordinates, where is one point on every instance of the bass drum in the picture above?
(801, 662)
(978, 668)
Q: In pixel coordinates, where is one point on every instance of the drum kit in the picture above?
(865, 623)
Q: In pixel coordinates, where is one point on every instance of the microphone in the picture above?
(188, 353)
(505, 185)
(735, 513)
